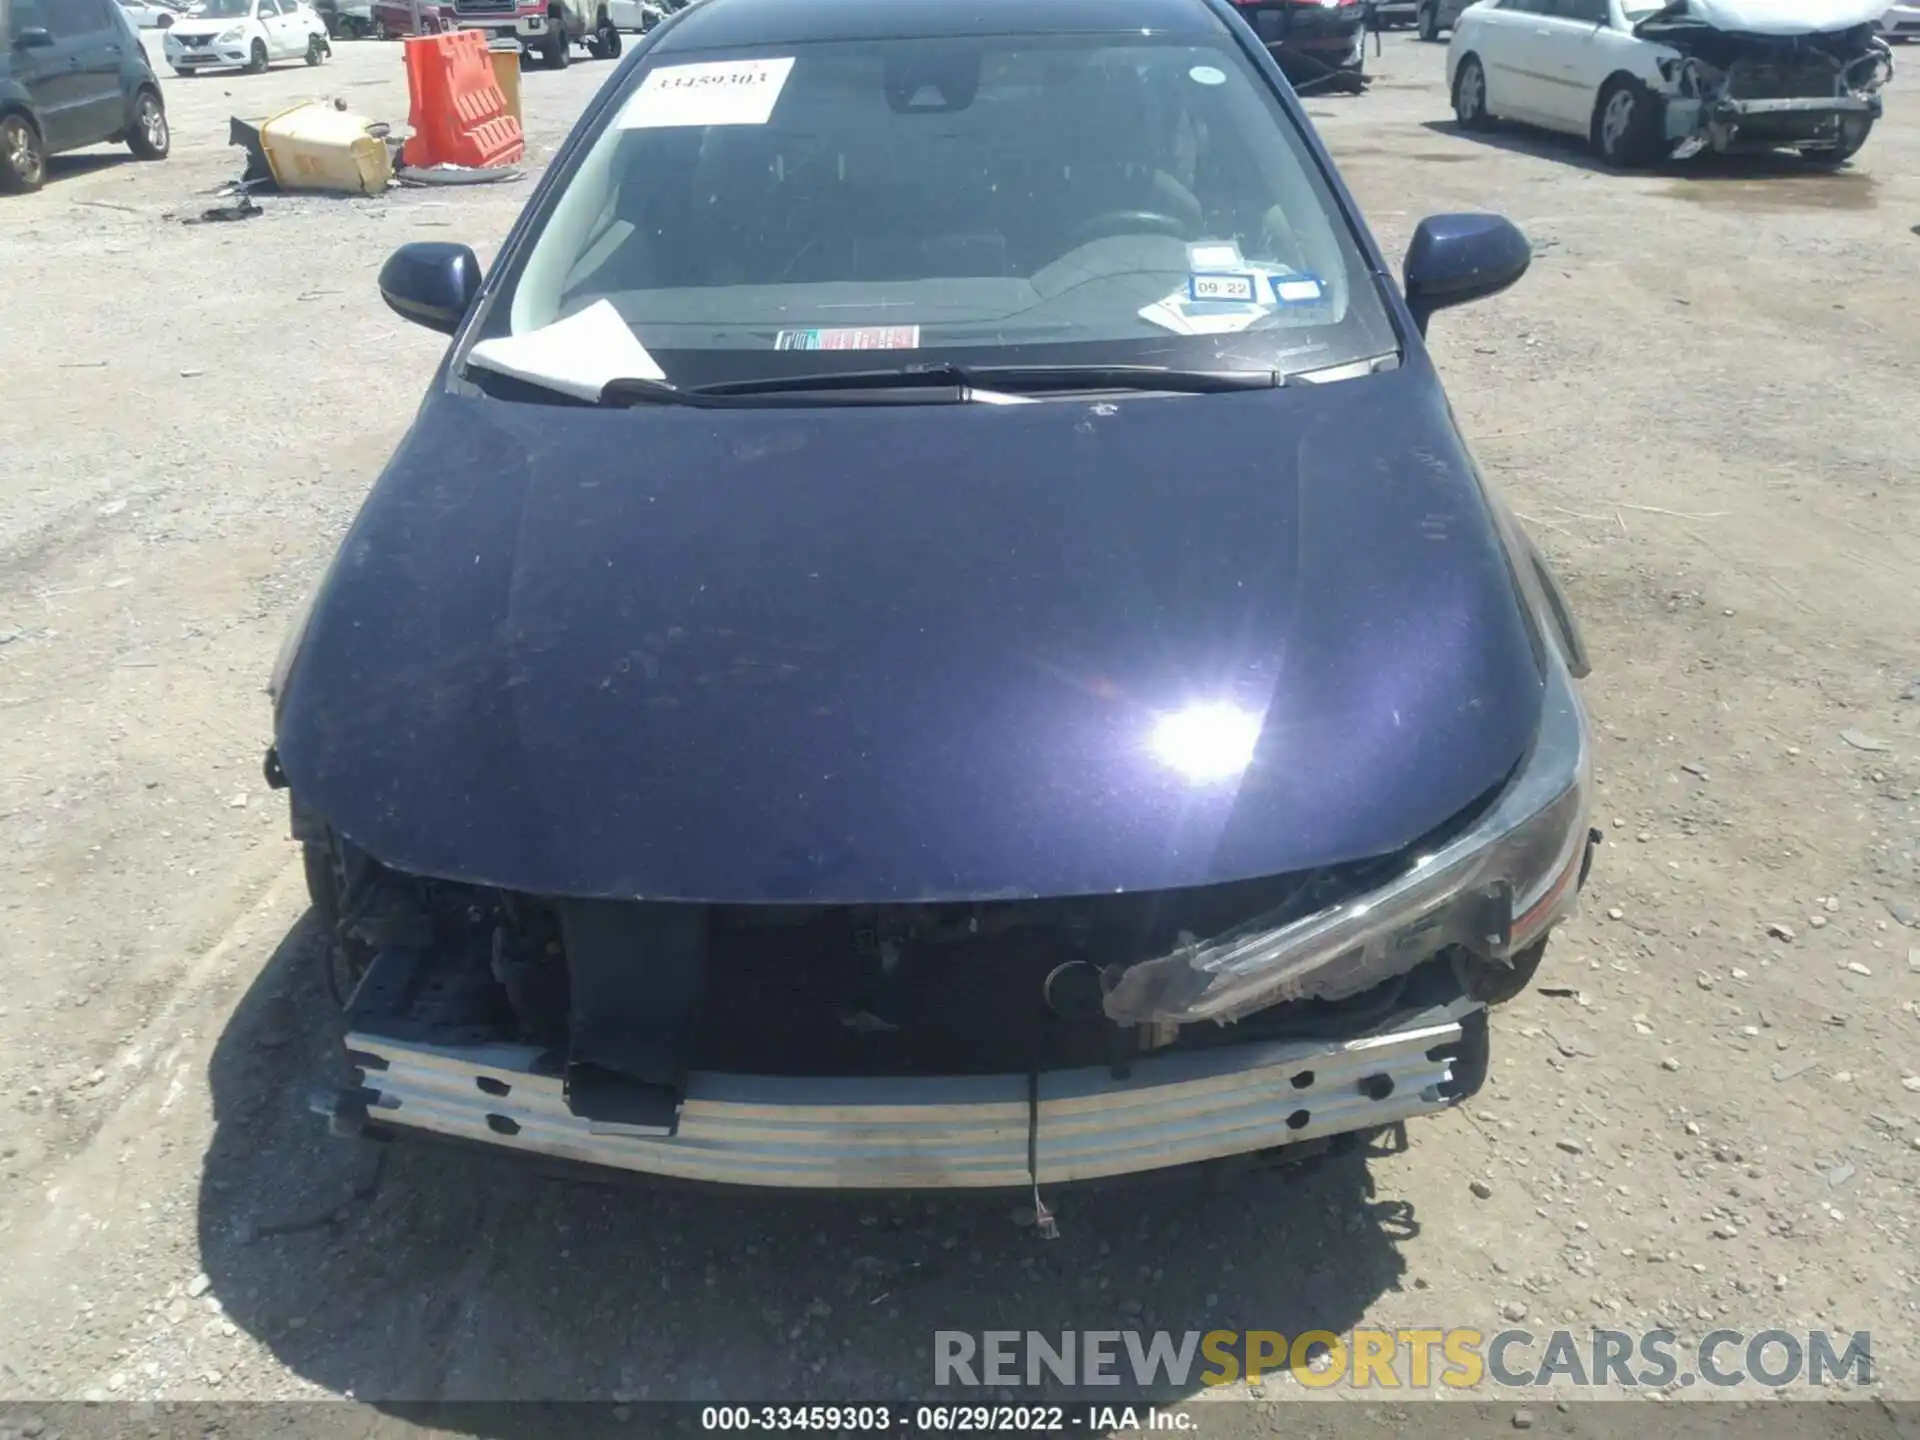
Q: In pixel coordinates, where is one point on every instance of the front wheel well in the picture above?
(1618, 77)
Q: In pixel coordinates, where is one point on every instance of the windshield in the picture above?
(225, 9)
(1076, 199)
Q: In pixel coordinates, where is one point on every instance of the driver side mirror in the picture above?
(1456, 258)
(33, 37)
(431, 283)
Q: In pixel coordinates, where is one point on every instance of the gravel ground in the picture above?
(1706, 1115)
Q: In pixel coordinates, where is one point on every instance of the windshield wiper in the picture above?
(847, 387)
(940, 382)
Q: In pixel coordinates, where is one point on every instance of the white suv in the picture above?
(248, 34)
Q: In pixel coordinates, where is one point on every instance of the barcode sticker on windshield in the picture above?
(1297, 289)
(720, 92)
(1221, 287)
(858, 337)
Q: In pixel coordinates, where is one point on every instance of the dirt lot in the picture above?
(1702, 399)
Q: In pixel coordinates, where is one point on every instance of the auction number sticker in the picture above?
(1218, 286)
(719, 92)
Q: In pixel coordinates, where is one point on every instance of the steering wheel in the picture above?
(1126, 222)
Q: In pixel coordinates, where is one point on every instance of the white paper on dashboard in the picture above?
(576, 356)
(716, 92)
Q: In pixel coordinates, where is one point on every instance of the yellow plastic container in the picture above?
(317, 147)
(506, 74)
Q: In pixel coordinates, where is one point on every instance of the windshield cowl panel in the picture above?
(1078, 199)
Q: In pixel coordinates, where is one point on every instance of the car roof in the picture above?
(722, 24)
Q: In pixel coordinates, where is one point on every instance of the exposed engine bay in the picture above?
(1750, 77)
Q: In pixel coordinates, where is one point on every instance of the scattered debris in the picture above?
(456, 175)
(1481, 1189)
(242, 209)
(1860, 740)
(1839, 1175)
(1799, 1067)
(1777, 931)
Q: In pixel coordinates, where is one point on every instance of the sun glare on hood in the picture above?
(1213, 740)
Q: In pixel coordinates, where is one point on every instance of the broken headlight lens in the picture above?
(1495, 889)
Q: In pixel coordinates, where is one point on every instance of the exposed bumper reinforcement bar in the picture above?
(940, 1133)
(1814, 105)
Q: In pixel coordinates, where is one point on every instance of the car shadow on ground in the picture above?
(1570, 150)
(415, 1272)
(78, 164)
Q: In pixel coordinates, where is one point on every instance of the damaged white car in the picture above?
(1643, 81)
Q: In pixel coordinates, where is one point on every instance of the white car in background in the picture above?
(150, 14)
(641, 15)
(1640, 81)
(1902, 22)
(247, 34)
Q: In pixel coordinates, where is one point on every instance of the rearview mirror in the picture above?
(34, 37)
(431, 283)
(1456, 258)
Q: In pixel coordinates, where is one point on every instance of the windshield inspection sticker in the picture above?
(862, 337)
(1205, 255)
(720, 92)
(1207, 75)
(1297, 289)
(1219, 286)
(1223, 302)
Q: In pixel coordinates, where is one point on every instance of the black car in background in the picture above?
(1320, 44)
(73, 73)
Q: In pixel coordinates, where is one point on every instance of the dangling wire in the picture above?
(1043, 1220)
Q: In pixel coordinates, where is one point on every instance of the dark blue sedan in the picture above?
(934, 629)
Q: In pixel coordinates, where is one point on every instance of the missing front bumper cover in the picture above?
(978, 1131)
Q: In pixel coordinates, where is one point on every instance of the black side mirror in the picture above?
(1456, 258)
(34, 37)
(431, 283)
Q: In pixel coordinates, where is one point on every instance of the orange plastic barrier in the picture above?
(460, 114)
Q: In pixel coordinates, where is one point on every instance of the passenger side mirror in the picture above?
(1456, 258)
(34, 37)
(431, 283)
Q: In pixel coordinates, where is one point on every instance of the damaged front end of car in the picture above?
(1730, 91)
(991, 1044)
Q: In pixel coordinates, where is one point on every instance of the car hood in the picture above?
(862, 655)
(181, 29)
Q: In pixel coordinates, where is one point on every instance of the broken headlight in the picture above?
(1494, 890)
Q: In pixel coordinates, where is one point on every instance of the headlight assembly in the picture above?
(1493, 890)
(230, 34)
